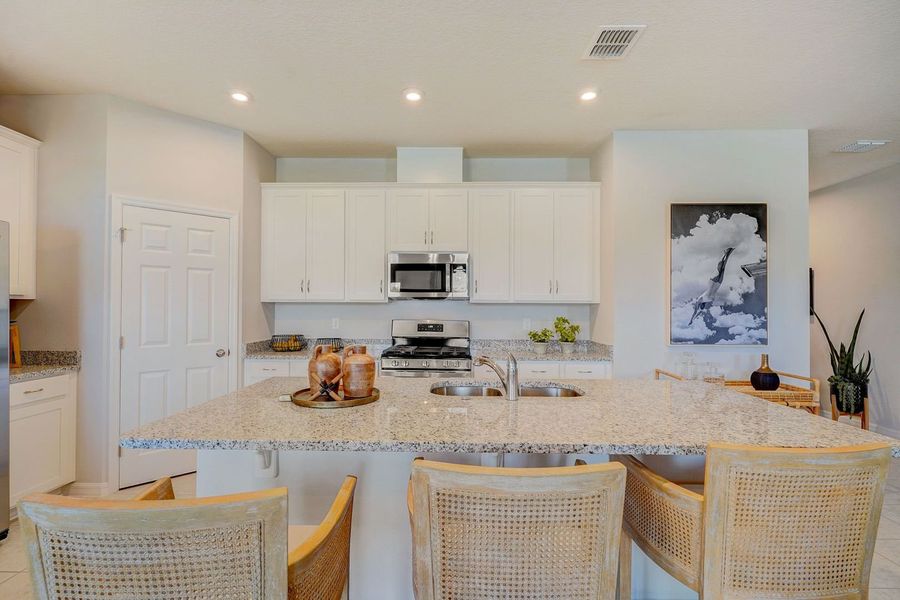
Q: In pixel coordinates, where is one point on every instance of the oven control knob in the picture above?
(451, 363)
(395, 363)
(405, 363)
(424, 364)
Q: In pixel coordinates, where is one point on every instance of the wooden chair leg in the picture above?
(624, 588)
(834, 410)
(865, 413)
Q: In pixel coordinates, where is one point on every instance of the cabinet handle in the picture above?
(538, 371)
(308, 286)
(34, 391)
(550, 291)
(557, 286)
(381, 286)
(585, 372)
(301, 286)
(432, 236)
(476, 286)
(425, 240)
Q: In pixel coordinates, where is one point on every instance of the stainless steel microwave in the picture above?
(428, 275)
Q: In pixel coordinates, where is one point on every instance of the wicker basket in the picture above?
(287, 343)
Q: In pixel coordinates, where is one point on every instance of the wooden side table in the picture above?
(863, 416)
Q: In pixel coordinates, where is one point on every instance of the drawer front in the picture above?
(538, 370)
(585, 370)
(37, 390)
(258, 370)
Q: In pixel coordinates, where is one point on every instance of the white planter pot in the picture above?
(540, 347)
(567, 347)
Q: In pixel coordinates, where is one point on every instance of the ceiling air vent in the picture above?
(863, 146)
(613, 41)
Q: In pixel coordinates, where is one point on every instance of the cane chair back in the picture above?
(515, 533)
(203, 548)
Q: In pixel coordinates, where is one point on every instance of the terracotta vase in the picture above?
(359, 372)
(325, 364)
(764, 378)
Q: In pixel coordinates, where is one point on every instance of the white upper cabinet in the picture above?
(428, 220)
(573, 247)
(490, 215)
(448, 214)
(283, 252)
(366, 251)
(18, 203)
(533, 246)
(325, 246)
(527, 242)
(553, 245)
(302, 245)
(408, 224)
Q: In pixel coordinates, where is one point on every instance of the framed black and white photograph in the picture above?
(717, 270)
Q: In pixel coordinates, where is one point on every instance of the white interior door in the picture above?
(533, 246)
(366, 260)
(573, 245)
(449, 218)
(491, 225)
(175, 327)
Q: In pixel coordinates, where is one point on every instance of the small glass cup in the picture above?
(714, 375)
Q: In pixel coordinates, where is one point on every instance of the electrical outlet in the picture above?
(526, 324)
(335, 323)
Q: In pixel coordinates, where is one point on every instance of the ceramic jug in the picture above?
(359, 372)
(325, 364)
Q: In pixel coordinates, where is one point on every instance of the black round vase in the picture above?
(765, 379)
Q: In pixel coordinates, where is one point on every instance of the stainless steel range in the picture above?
(428, 349)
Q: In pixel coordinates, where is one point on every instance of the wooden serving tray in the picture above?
(301, 398)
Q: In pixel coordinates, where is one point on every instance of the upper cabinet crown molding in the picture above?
(18, 206)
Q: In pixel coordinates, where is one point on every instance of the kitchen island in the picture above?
(250, 439)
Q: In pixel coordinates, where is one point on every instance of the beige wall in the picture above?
(71, 245)
(855, 251)
(652, 169)
(257, 319)
(603, 313)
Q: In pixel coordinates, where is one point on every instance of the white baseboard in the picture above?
(86, 490)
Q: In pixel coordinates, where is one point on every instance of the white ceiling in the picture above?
(500, 78)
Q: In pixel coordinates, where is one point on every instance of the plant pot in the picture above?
(849, 396)
(540, 347)
(567, 347)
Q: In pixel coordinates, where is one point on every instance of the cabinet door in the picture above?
(538, 370)
(585, 370)
(256, 370)
(449, 221)
(573, 246)
(408, 220)
(18, 201)
(533, 246)
(491, 227)
(325, 245)
(41, 435)
(366, 254)
(283, 252)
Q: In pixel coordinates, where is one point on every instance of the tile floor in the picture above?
(884, 583)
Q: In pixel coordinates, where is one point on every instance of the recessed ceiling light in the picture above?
(589, 95)
(412, 95)
(239, 96)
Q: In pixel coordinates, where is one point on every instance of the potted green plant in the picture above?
(540, 339)
(850, 380)
(567, 332)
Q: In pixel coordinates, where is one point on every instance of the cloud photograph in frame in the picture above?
(718, 274)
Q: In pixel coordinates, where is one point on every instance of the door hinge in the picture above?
(120, 451)
(121, 342)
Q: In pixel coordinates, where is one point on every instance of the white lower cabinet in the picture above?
(41, 435)
(256, 370)
(532, 370)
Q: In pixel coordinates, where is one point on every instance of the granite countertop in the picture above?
(39, 364)
(614, 416)
(497, 349)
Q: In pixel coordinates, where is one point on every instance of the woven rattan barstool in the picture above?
(483, 532)
(157, 547)
(771, 523)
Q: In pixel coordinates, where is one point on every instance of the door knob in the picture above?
(220, 352)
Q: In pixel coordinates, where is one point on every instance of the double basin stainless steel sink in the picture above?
(486, 390)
